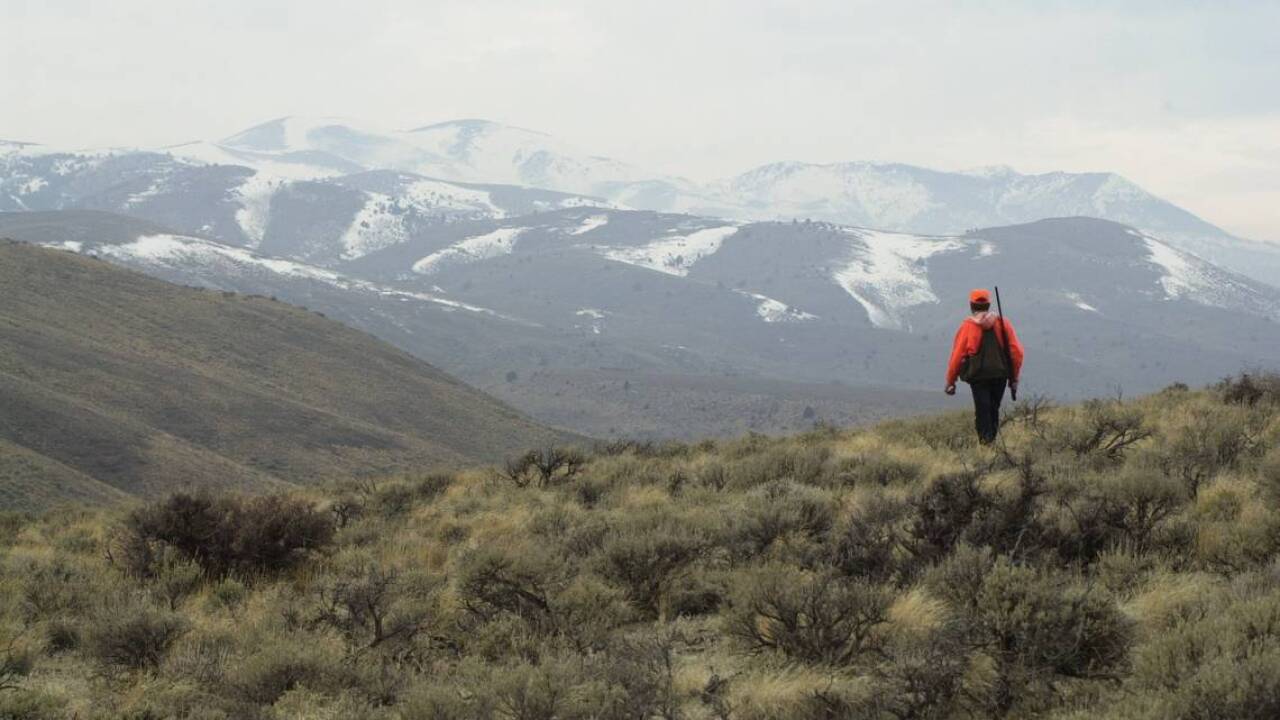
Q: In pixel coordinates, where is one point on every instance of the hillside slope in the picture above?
(1116, 559)
(114, 383)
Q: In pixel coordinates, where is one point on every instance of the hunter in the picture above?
(987, 355)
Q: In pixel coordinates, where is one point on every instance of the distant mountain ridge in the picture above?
(591, 318)
(282, 153)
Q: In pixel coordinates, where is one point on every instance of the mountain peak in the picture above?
(991, 171)
(284, 134)
(474, 125)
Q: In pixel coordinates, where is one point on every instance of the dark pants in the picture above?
(987, 395)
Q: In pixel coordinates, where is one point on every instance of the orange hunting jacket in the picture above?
(969, 336)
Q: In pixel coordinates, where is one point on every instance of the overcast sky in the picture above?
(1183, 98)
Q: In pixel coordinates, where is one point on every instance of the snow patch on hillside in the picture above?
(185, 252)
(590, 223)
(142, 196)
(674, 255)
(34, 185)
(1185, 276)
(1182, 275)
(481, 247)
(74, 246)
(432, 196)
(886, 273)
(254, 196)
(377, 225)
(1080, 303)
(596, 317)
(775, 311)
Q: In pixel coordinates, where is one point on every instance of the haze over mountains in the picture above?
(566, 285)
(884, 196)
(625, 322)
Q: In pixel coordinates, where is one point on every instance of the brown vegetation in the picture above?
(1114, 559)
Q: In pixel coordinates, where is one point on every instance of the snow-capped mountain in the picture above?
(177, 186)
(308, 203)
(559, 297)
(560, 276)
(909, 198)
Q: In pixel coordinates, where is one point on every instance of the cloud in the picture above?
(1178, 96)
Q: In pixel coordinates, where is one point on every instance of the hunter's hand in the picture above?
(951, 389)
(1013, 385)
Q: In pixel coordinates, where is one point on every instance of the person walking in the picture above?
(987, 355)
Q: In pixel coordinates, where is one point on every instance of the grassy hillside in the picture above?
(620, 403)
(1117, 559)
(114, 384)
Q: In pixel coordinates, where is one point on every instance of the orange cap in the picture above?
(980, 297)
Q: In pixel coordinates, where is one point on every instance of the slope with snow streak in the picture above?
(775, 311)
(887, 274)
(1185, 276)
(590, 223)
(674, 255)
(1079, 302)
(481, 247)
(377, 225)
(434, 196)
(184, 252)
(254, 196)
(382, 221)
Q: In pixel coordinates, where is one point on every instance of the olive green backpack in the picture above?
(988, 363)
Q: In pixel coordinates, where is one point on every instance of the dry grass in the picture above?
(1017, 581)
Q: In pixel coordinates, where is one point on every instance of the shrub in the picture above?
(61, 635)
(534, 692)
(645, 556)
(224, 534)
(1226, 664)
(1040, 627)
(1250, 389)
(783, 509)
(807, 465)
(227, 594)
(924, 676)
(1125, 507)
(15, 664)
(959, 578)
(812, 617)
(546, 466)
(369, 605)
(878, 469)
(507, 580)
(175, 577)
(1106, 429)
(57, 588)
(943, 513)
(133, 639)
(1209, 441)
(1269, 475)
(393, 500)
(870, 542)
(279, 665)
(31, 705)
(438, 701)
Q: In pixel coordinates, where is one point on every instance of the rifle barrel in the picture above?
(1008, 351)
